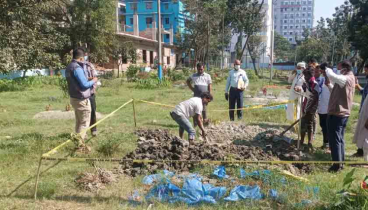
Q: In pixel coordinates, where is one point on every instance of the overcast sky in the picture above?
(325, 8)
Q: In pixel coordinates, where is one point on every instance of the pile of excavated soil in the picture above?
(227, 141)
(95, 181)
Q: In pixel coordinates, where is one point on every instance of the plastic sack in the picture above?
(220, 172)
(244, 174)
(163, 192)
(195, 192)
(273, 194)
(244, 192)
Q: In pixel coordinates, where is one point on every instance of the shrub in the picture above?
(152, 83)
(177, 76)
(22, 83)
(252, 75)
(132, 72)
(109, 147)
(63, 86)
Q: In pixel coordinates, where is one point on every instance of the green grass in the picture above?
(23, 139)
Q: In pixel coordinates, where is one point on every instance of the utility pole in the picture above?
(208, 43)
(159, 67)
(272, 40)
(223, 42)
(333, 52)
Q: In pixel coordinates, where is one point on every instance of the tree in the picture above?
(282, 48)
(255, 48)
(358, 30)
(203, 25)
(246, 18)
(313, 48)
(27, 38)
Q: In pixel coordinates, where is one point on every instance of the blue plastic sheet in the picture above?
(273, 194)
(244, 174)
(245, 192)
(163, 192)
(220, 172)
(150, 179)
(134, 199)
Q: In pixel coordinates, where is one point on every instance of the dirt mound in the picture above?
(95, 181)
(226, 142)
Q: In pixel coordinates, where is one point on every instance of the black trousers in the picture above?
(92, 99)
(235, 98)
(323, 124)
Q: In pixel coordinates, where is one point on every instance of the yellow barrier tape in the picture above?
(224, 110)
(154, 103)
(85, 130)
(281, 162)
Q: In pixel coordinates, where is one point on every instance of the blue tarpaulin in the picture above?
(220, 172)
(150, 179)
(243, 192)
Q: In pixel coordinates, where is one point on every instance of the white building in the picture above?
(292, 17)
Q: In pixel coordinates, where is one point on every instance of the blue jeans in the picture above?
(235, 97)
(184, 125)
(336, 130)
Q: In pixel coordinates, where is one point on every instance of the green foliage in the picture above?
(283, 51)
(186, 71)
(151, 83)
(176, 76)
(21, 84)
(252, 76)
(313, 48)
(63, 86)
(132, 72)
(109, 147)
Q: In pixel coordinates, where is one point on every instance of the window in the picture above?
(292, 9)
(296, 27)
(297, 15)
(298, 3)
(285, 27)
(303, 21)
(148, 5)
(286, 9)
(131, 21)
(123, 9)
(282, 10)
(167, 36)
(297, 21)
(133, 6)
(286, 16)
(309, 14)
(304, 8)
(308, 26)
(168, 60)
(290, 39)
(144, 56)
(166, 6)
(309, 21)
(275, 26)
(167, 21)
(149, 21)
(291, 21)
(309, 2)
(304, 2)
(303, 27)
(296, 33)
(291, 27)
(285, 33)
(292, 3)
(309, 8)
(285, 21)
(303, 14)
(291, 33)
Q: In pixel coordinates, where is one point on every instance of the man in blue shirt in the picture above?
(80, 91)
(237, 81)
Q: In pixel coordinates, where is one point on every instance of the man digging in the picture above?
(191, 108)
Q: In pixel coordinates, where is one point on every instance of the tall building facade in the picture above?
(291, 17)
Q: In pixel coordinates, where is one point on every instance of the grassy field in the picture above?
(23, 139)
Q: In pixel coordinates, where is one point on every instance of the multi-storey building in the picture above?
(291, 17)
(138, 21)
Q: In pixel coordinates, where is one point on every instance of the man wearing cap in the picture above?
(297, 80)
(236, 83)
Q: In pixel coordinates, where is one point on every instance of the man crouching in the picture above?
(188, 109)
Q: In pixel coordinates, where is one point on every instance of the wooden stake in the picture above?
(37, 178)
(134, 114)
(300, 122)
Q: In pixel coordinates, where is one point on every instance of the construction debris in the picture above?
(93, 182)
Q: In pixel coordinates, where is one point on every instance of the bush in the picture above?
(132, 72)
(252, 75)
(63, 86)
(176, 76)
(152, 83)
(22, 83)
(109, 147)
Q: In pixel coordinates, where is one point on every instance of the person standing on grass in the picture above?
(79, 89)
(310, 106)
(202, 83)
(364, 93)
(339, 109)
(297, 80)
(237, 82)
(324, 98)
(191, 108)
(361, 132)
(92, 73)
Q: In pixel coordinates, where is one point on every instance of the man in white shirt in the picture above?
(236, 83)
(191, 108)
(297, 80)
(202, 83)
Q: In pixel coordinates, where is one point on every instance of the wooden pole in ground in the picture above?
(290, 127)
(300, 122)
(134, 114)
(37, 178)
